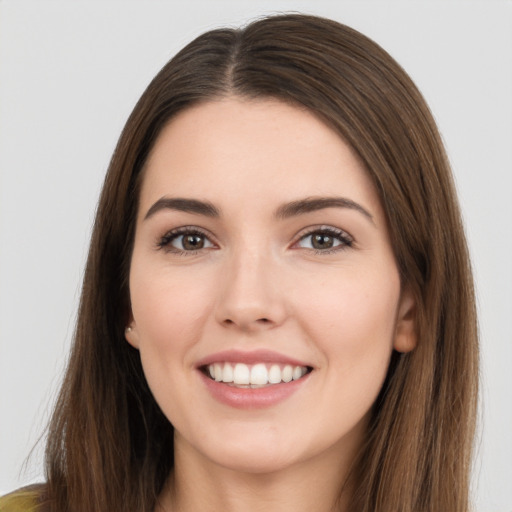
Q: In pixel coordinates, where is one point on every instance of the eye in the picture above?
(325, 240)
(185, 240)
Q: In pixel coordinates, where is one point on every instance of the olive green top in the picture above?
(19, 501)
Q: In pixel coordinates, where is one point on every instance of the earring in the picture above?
(128, 329)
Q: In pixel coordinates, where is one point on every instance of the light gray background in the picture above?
(70, 73)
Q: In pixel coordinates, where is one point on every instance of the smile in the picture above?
(254, 376)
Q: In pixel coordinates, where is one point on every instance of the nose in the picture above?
(251, 296)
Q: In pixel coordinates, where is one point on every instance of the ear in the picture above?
(131, 334)
(405, 330)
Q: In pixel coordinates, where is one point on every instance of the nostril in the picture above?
(248, 323)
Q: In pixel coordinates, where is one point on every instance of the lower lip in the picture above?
(252, 398)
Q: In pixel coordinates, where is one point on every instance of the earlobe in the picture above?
(131, 336)
(405, 332)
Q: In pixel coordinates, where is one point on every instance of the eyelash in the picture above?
(335, 233)
(338, 234)
(165, 241)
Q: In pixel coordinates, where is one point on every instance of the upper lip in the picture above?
(249, 357)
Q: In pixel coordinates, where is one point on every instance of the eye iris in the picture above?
(322, 241)
(193, 242)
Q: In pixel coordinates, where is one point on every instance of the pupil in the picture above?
(192, 242)
(322, 241)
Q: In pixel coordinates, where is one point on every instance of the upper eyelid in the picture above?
(188, 229)
(321, 227)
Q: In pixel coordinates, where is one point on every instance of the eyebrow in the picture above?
(292, 209)
(312, 204)
(183, 205)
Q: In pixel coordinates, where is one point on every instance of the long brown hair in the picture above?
(110, 447)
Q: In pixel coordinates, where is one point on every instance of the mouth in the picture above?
(254, 376)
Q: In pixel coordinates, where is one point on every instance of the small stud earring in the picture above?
(128, 329)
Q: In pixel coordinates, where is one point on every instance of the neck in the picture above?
(200, 484)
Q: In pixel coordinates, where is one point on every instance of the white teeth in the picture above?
(241, 374)
(287, 373)
(274, 375)
(217, 372)
(259, 374)
(227, 373)
(256, 375)
(297, 373)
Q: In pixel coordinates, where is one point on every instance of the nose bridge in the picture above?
(250, 296)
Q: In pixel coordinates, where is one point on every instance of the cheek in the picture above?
(168, 309)
(169, 312)
(352, 319)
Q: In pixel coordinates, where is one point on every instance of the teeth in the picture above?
(241, 374)
(227, 373)
(287, 373)
(217, 372)
(274, 375)
(297, 373)
(257, 375)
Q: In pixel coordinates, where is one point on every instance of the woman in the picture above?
(277, 292)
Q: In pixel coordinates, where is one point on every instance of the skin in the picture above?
(258, 283)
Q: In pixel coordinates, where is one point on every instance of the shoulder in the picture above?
(22, 500)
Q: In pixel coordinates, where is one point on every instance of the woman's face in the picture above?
(265, 296)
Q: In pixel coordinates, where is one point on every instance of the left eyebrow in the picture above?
(183, 205)
(312, 204)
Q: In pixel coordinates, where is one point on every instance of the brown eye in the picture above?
(322, 241)
(326, 240)
(192, 242)
(185, 240)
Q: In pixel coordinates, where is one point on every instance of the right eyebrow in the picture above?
(183, 205)
(311, 204)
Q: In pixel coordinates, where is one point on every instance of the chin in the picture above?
(249, 453)
(254, 463)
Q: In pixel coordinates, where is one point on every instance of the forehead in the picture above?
(253, 152)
